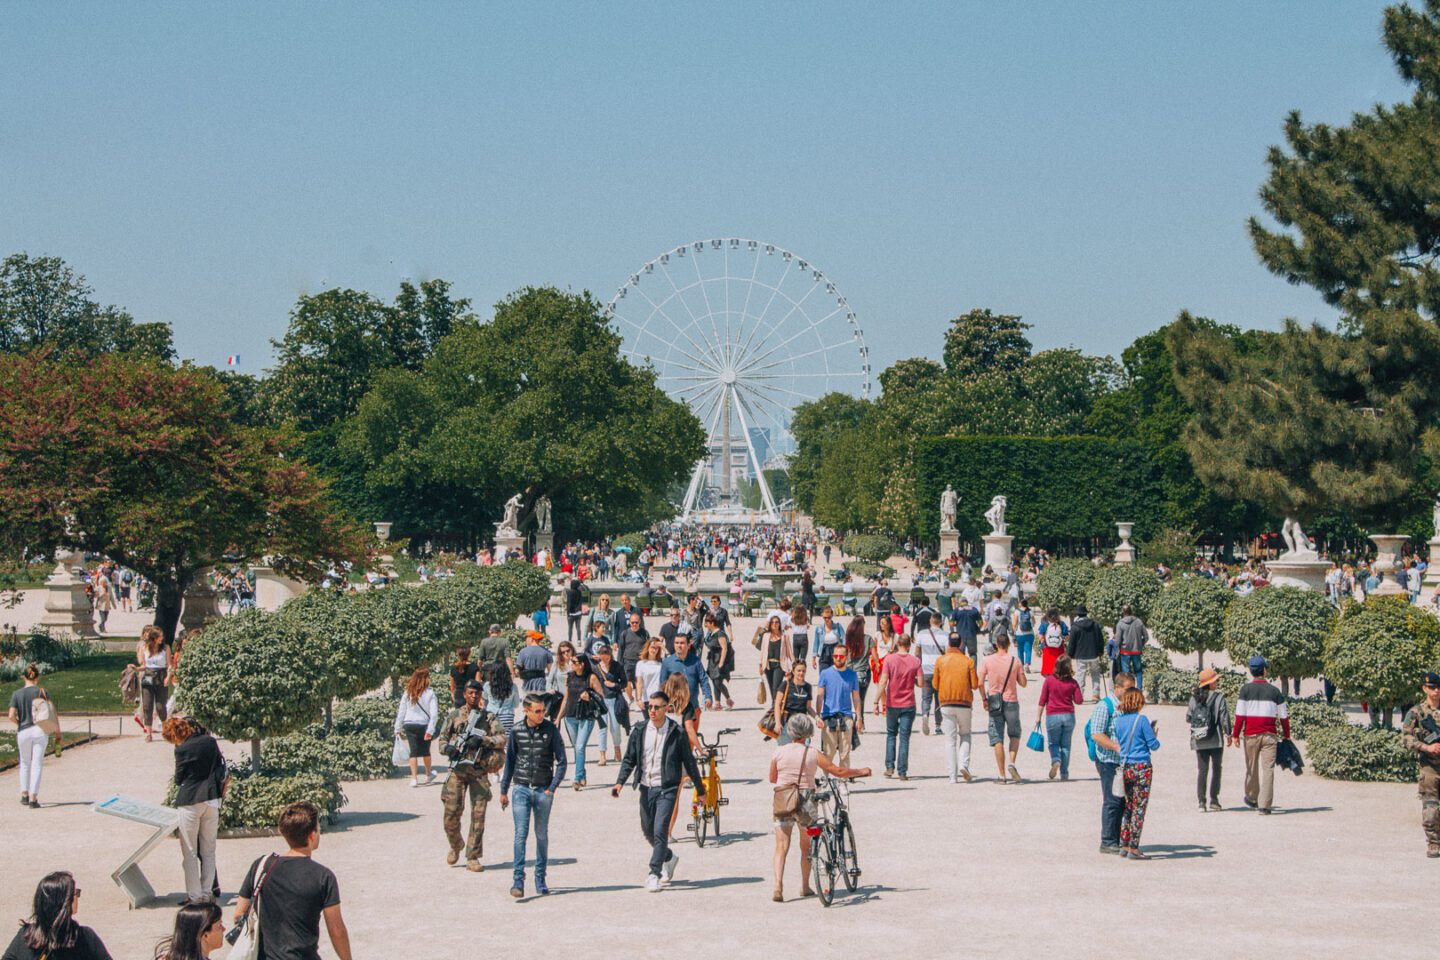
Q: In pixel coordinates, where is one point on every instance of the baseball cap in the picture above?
(1432, 679)
(1258, 662)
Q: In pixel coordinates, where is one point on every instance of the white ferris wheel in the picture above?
(742, 331)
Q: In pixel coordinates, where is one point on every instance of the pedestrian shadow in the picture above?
(729, 838)
(350, 821)
(1286, 811)
(746, 782)
(870, 790)
(566, 891)
(712, 882)
(551, 862)
(1177, 851)
(868, 893)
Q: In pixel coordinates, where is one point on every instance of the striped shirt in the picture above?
(1260, 709)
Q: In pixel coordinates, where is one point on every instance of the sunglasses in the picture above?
(652, 707)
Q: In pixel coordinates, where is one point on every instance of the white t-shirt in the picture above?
(647, 677)
(931, 646)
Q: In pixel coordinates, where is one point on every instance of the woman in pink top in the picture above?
(1058, 698)
(794, 764)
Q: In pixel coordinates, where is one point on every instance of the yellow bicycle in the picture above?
(706, 812)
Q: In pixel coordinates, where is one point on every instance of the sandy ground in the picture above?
(1339, 871)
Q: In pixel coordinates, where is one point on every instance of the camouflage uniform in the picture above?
(1415, 734)
(474, 777)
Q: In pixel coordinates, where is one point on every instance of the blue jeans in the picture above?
(1024, 646)
(579, 731)
(1059, 728)
(898, 721)
(610, 724)
(1131, 663)
(1112, 808)
(523, 802)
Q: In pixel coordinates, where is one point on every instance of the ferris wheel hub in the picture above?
(727, 376)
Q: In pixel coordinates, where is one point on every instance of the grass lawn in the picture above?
(91, 686)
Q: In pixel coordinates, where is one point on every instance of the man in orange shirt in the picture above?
(955, 682)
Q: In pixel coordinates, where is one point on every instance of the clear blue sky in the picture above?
(1087, 165)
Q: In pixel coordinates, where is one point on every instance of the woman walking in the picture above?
(1059, 695)
(792, 771)
(31, 738)
(1053, 632)
(582, 704)
(1209, 719)
(647, 671)
(417, 719)
(612, 686)
(51, 933)
(500, 692)
(800, 633)
(153, 659)
(1022, 621)
(1136, 736)
(199, 932)
(777, 653)
(200, 779)
(860, 646)
(104, 596)
(795, 697)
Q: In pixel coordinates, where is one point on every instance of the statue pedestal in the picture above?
(1387, 561)
(950, 543)
(200, 603)
(273, 589)
(1298, 570)
(997, 552)
(1431, 584)
(67, 609)
(508, 546)
(545, 541)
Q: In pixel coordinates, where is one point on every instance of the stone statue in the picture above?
(509, 525)
(1437, 516)
(949, 501)
(995, 516)
(542, 515)
(1297, 545)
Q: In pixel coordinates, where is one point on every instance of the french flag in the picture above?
(233, 360)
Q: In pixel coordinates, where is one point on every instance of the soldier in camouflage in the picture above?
(476, 750)
(1422, 734)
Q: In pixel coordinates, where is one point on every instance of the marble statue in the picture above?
(542, 515)
(1437, 516)
(995, 516)
(949, 501)
(509, 525)
(1296, 543)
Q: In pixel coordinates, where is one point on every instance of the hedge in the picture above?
(869, 547)
(1366, 754)
(1059, 489)
(868, 571)
(1164, 683)
(635, 541)
(1063, 584)
(256, 800)
(344, 756)
(1308, 714)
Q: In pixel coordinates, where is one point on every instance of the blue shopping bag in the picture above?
(1036, 741)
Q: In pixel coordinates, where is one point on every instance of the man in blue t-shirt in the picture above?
(967, 624)
(837, 700)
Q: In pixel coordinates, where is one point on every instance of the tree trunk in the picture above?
(169, 595)
(1201, 656)
(255, 755)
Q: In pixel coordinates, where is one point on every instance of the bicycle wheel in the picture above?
(702, 823)
(849, 857)
(822, 864)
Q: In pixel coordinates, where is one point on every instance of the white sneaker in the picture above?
(668, 867)
(652, 883)
(429, 778)
(414, 782)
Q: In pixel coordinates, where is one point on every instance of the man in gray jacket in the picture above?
(1130, 639)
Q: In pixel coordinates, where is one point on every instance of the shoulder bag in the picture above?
(789, 803)
(995, 702)
(246, 945)
(767, 724)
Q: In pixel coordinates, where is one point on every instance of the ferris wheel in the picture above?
(743, 332)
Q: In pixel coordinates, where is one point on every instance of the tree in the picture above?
(1063, 583)
(138, 461)
(1376, 650)
(1121, 585)
(1189, 616)
(1285, 625)
(980, 342)
(251, 676)
(340, 634)
(43, 303)
(538, 400)
(816, 425)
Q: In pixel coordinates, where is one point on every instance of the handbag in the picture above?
(42, 713)
(761, 692)
(1036, 740)
(246, 945)
(788, 803)
(767, 726)
(995, 702)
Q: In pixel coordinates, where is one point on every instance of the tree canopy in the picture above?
(43, 303)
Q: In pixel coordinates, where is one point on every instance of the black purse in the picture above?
(995, 702)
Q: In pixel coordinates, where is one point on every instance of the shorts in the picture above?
(415, 736)
(1006, 721)
(629, 671)
(124, 592)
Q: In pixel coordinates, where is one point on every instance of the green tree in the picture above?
(1189, 616)
(1285, 625)
(816, 425)
(1064, 583)
(43, 303)
(1121, 585)
(1376, 650)
(980, 342)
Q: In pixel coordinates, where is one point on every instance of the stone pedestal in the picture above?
(1125, 553)
(1387, 561)
(200, 603)
(1305, 571)
(949, 543)
(273, 589)
(67, 609)
(508, 547)
(997, 552)
(545, 541)
(1431, 584)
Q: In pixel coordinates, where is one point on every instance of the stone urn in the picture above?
(1387, 562)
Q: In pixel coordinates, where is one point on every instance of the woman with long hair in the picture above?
(462, 671)
(555, 679)
(861, 647)
(199, 932)
(795, 697)
(153, 659)
(581, 704)
(501, 695)
(1136, 736)
(30, 739)
(418, 719)
(51, 933)
(777, 653)
(200, 778)
(103, 596)
(1059, 696)
(647, 671)
(800, 633)
(612, 683)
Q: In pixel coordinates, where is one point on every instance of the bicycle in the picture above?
(706, 813)
(832, 840)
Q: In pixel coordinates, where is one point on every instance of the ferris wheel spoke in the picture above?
(712, 350)
(709, 311)
(745, 309)
(683, 331)
(760, 317)
(749, 371)
(792, 376)
(771, 388)
(795, 305)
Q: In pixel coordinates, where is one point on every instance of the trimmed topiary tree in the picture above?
(1376, 650)
(1371, 755)
(412, 621)
(1064, 583)
(344, 637)
(1189, 616)
(1119, 585)
(1285, 625)
(635, 541)
(252, 676)
(870, 547)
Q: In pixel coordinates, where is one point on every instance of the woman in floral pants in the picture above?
(1137, 741)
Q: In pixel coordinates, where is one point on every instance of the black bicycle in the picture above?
(832, 840)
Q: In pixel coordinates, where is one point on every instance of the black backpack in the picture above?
(1201, 717)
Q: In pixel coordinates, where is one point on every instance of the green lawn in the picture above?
(91, 686)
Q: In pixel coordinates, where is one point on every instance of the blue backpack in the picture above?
(1105, 704)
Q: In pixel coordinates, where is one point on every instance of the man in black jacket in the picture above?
(659, 754)
(1087, 642)
(535, 763)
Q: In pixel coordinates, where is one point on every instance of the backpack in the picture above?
(1201, 718)
(1089, 743)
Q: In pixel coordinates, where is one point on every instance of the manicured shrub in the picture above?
(870, 547)
(255, 800)
(862, 570)
(1119, 585)
(344, 637)
(364, 715)
(1370, 755)
(344, 756)
(1285, 625)
(1063, 584)
(1308, 714)
(1189, 616)
(412, 622)
(1376, 650)
(635, 541)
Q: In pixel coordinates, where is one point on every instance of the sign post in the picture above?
(166, 821)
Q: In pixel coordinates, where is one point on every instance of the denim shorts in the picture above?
(1007, 720)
